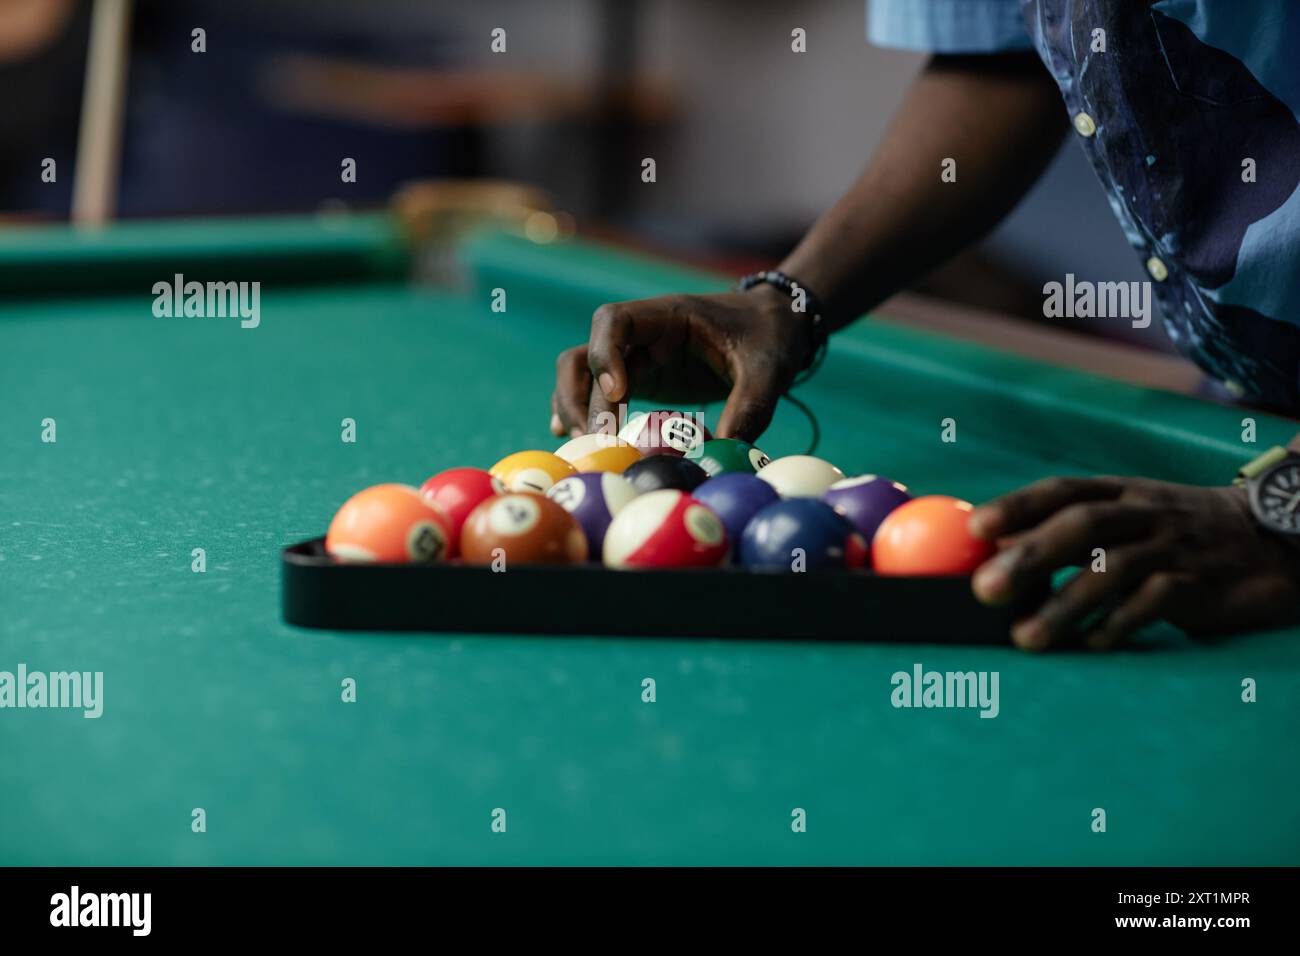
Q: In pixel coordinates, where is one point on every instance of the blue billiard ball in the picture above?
(809, 526)
(735, 497)
(866, 500)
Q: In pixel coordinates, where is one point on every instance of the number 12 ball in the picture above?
(593, 498)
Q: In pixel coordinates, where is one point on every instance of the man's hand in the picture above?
(742, 346)
(1193, 556)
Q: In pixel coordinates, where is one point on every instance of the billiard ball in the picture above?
(522, 529)
(665, 529)
(866, 500)
(798, 534)
(664, 471)
(599, 452)
(457, 492)
(928, 535)
(719, 456)
(584, 445)
(388, 523)
(664, 432)
(593, 498)
(735, 498)
(800, 476)
(533, 471)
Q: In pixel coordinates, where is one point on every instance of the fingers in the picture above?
(1065, 538)
(572, 387)
(1034, 503)
(752, 401)
(614, 329)
(1154, 599)
(1062, 615)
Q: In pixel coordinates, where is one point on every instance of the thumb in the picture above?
(751, 404)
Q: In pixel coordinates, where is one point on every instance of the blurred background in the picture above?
(752, 141)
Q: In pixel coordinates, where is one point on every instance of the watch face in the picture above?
(1278, 498)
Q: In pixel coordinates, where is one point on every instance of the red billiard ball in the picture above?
(522, 529)
(665, 529)
(928, 535)
(458, 491)
(388, 523)
(664, 432)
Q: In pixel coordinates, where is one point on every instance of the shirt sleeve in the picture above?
(948, 26)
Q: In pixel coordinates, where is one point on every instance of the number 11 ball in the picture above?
(665, 529)
(928, 535)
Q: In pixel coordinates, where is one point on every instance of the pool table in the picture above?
(182, 433)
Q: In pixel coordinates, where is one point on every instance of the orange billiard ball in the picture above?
(389, 523)
(926, 536)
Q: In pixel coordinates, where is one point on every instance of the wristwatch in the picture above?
(1272, 484)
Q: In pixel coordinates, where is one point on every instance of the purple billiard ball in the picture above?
(735, 497)
(593, 498)
(866, 500)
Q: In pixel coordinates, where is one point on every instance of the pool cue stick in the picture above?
(99, 139)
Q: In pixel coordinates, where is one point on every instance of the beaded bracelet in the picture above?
(816, 324)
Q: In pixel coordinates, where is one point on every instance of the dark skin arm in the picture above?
(999, 117)
(1190, 555)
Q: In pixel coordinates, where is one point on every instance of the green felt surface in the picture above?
(182, 433)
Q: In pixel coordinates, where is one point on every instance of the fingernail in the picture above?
(983, 523)
(607, 385)
(557, 426)
(992, 580)
(1031, 635)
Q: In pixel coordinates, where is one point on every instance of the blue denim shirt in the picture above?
(1185, 92)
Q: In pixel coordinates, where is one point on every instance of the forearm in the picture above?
(999, 117)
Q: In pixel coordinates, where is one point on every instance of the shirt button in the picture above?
(1158, 270)
(1084, 125)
